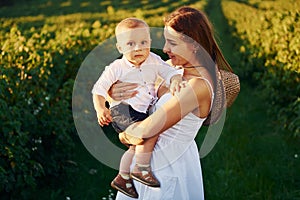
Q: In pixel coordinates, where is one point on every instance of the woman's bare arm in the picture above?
(194, 96)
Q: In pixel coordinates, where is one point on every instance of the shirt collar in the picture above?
(129, 64)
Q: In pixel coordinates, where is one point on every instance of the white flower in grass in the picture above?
(93, 171)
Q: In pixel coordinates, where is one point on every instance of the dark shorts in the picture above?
(124, 115)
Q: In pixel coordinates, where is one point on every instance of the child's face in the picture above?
(134, 44)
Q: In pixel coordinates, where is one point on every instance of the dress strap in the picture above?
(211, 90)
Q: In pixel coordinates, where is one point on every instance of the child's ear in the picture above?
(119, 48)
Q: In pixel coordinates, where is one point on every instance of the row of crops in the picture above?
(268, 38)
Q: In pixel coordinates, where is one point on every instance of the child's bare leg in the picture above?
(143, 152)
(122, 181)
(142, 170)
(126, 161)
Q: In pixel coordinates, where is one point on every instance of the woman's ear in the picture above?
(195, 47)
(119, 48)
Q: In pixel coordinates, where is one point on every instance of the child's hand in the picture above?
(104, 117)
(174, 87)
(176, 84)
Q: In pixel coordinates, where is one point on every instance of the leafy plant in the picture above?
(269, 53)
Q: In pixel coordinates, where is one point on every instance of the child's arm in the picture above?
(103, 113)
(172, 76)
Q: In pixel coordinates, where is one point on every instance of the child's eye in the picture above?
(144, 42)
(130, 44)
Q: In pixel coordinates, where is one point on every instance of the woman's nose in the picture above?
(166, 49)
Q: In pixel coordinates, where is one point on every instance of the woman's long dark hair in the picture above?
(195, 24)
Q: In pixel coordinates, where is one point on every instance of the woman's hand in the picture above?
(122, 90)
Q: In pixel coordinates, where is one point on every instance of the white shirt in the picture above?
(145, 76)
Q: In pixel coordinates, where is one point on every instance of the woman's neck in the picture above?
(191, 72)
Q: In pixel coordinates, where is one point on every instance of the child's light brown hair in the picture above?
(130, 23)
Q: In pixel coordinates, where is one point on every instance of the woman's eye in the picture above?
(172, 43)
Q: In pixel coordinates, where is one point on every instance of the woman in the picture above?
(190, 44)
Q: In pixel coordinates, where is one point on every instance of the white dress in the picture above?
(175, 162)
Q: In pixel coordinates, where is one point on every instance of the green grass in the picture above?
(251, 160)
(93, 178)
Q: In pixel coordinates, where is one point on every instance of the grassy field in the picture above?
(252, 160)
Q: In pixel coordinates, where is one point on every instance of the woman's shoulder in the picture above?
(201, 86)
(203, 90)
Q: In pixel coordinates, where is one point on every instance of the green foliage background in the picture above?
(43, 43)
(268, 39)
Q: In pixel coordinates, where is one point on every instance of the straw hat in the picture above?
(226, 91)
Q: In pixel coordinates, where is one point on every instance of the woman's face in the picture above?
(180, 52)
